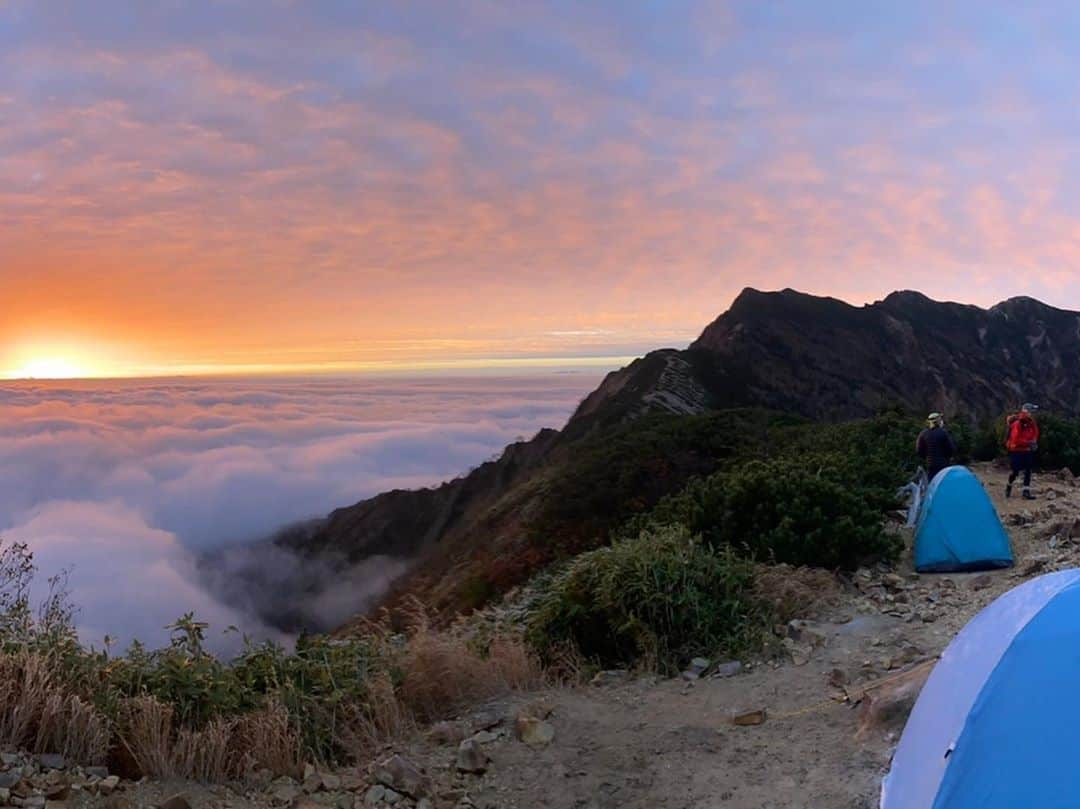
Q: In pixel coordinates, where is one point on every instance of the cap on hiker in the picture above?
(935, 419)
(1029, 407)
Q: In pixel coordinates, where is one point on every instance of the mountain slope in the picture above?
(825, 359)
(784, 351)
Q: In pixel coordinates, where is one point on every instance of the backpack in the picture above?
(1022, 434)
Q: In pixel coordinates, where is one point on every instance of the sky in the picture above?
(128, 484)
(268, 185)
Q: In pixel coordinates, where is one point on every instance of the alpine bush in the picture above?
(663, 595)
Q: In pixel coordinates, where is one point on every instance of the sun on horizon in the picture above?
(51, 368)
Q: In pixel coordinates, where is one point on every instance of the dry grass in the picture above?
(795, 591)
(147, 735)
(206, 755)
(427, 675)
(269, 741)
(73, 728)
(381, 720)
(25, 688)
(37, 714)
(443, 672)
(222, 750)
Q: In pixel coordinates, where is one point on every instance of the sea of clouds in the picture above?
(128, 484)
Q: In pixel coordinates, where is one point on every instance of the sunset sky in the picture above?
(198, 186)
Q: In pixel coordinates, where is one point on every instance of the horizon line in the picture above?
(375, 368)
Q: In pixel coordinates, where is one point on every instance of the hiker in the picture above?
(935, 446)
(1022, 441)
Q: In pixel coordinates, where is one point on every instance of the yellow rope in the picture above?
(847, 698)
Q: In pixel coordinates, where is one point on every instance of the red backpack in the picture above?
(1023, 433)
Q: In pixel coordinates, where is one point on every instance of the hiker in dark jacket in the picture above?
(935, 445)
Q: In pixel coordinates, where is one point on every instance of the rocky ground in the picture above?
(808, 732)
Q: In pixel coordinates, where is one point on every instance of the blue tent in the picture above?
(958, 528)
(998, 721)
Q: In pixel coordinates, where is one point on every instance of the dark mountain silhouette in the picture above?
(785, 351)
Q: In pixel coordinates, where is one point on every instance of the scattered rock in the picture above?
(982, 582)
(401, 775)
(108, 784)
(807, 632)
(178, 801)
(749, 718)
(471, 758)
(893, 581)
(538, 709)
(10, 778)
(117, 802)
(312, 783)
(374, 796)
(58, 792)
(1036, 565)
(484, 720)
(51, 761)
(888, 705)
(728, 669)
(800, 653)
(286, 793)
(448, 732)
(699, 665)
(838, 678)
(31, 802)
(534, 732)
(352, 781)
(486, 737)
(611, 677)
(331, 782)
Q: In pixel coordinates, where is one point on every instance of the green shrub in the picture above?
(613, 475)
(662, 595)
(1059, 442)
(818, 501)
(782, 511)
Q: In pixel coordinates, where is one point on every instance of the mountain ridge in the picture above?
(814, 357)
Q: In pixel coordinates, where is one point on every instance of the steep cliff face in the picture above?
(816, 357)
(403, 523)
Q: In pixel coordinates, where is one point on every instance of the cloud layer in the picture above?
(253, 181)
(128, 483)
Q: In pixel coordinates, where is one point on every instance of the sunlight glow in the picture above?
(50, 368)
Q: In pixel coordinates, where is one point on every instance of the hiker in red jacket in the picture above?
(1022, 440)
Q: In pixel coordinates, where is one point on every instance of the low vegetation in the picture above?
(660, 542)
(677, 580)
(180, 711)
(663, 597)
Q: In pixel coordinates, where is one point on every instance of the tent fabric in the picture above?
(978, 687)
(958, 528)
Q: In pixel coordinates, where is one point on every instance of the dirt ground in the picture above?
(652, 743)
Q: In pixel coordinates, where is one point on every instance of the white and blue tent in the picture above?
(998, 722)
(958, 527)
